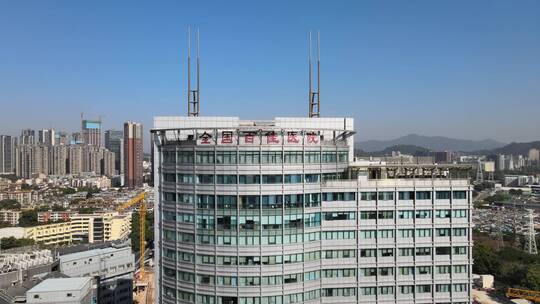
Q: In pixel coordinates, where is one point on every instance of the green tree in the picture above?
(28, 218)
(135, 234)
(10, 204)
(532, 277)
(12, 242)
(485, 260)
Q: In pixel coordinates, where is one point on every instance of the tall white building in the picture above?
(278, 211)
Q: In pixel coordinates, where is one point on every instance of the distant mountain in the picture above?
(435, 143)
(404, 149)
(517, 148)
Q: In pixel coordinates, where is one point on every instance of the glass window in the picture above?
(459, 194)
(205, 157)
(273, 179)
(272, 201)
(312, 157)
(293, 178)
(185, 157)
(406, 195)
(329, 157)
(423, 195)
(205, 201)
(226, 157)
(406, 214)
(205, 179)
(250, 201)
(249, 179)
(272, 157)
(226, 179)
(442, 213)
(442, 195)
(423, 251)
(406, 233)
(293, 157)
(312, 178)
(186, 178)
(420, 214)
(248, 157)
(226, 202)
(386, 196)
(386, 215)
(368, 196)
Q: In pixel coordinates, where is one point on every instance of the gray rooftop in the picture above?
(90, 253)
(61, 284)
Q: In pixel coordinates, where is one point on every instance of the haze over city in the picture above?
(459, 68)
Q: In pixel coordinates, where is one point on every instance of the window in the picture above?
(312, 178)
(250, 201)
(385, 234)
(368, 196)
(293, 178)
(205, 157)
(386, 290)
(423, 195)
(226, 157)
(406, 195)
(423, 251)
(460, 213)
(368, 272)
(442, 250)
(169, 157)
(386, 271)
(368, 215)
(460, 287)
(293, 157)
(169, 177)
(248, 157)
(460, 268)
(368, 253)
(312, 199)
(406, 251)
(329, 157)
(442, 269)
(226, 202)
(368, 234)
(184, 198)
(459, 231)
(459, 194)
(205, 179)
(205, 201)
(442, 288)
(406, 289)
(423, 232)
(312, 157)
(386, 252)
(272, 157)
(249, 179)
(386, 196)
(185, 178)
(406, 214)
(337, 216)
(272, 179)
(343, 156)
(406, 233)
(406, 271)
(226, 179)
(442, 195)
(420, 214)
(442, 213)
(368, 291)
(423, 269)
(460, 250)
(386, 215)
(442, 232)
(185, 157)
(272, 201)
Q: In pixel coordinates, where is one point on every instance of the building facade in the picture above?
(278, 212)
(61, 291)
(91, 132)
(114, 142)
(114, 268)
(10, 216)
(28, 137)
(7, 154)
(47, 137)
(133, 154)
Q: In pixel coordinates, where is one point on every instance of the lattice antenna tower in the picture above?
(193, 94)
(314, 92)
(530, 238)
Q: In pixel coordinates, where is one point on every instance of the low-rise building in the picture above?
(22, 196)
(49, 234)
(54, 216)
(114, 268)
(61, 291)
(104, 227)
(10, 216)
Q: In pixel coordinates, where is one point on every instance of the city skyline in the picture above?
(475, 63)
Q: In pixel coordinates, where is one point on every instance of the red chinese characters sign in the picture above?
(312, 138)
(292, 138)
(272, 138)
(205, 138)
(226, 137)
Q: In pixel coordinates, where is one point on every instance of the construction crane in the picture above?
(530, 295)
(139, 199)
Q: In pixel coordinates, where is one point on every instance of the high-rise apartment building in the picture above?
(133, 154)
(7, 154)
(28, 137)
(91, 132)
(61, 138)
(47, 137)
(278, 211)
(534, 157)
(114, 141)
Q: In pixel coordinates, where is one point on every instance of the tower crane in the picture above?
(139, 199)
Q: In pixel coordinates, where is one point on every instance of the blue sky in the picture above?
(465, 69)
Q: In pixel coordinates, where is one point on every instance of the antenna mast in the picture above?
(193, 95)
(314, 94)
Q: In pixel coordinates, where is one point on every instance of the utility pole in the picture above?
(530, 240)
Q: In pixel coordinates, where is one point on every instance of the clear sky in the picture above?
(465, 69)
